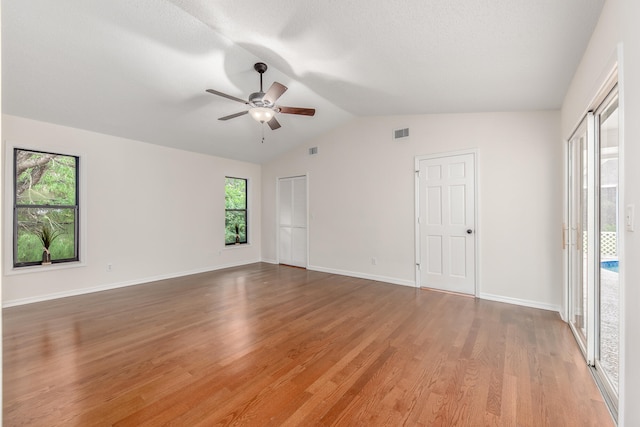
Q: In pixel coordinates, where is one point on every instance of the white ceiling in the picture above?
(139, 69)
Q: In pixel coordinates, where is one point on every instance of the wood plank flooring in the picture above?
(265, 345)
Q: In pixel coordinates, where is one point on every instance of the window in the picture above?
(235, 218)
(45, 208)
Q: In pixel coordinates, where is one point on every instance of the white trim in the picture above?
(308, 254)
(476, 233)
(33, 269)
(390, 280)
(523, 302)
(592, 207)
(621, 240)
(566, 235)
(235, 247)
(416, 223)
(110, 286)
(269, 261)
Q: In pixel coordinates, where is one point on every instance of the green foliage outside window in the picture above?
(45, 201)
(235, 202)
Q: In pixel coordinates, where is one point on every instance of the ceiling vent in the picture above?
(401, 133)
(313, 151)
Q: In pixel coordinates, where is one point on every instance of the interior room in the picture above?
(155, 105)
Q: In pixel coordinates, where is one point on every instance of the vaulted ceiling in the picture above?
(139, 69)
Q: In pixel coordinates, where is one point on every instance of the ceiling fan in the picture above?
(262, 105)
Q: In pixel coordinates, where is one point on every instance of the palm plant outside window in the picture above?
(45, 218)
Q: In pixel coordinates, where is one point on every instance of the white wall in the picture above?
(151, 211)
(2, 214)
(361, 198)
(631, 296)
(618, 31)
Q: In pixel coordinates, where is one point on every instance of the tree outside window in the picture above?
(45, 207)
(235, 211)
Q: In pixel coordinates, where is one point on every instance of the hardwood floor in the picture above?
(273, 345)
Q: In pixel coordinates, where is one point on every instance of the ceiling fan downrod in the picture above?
(260, 67)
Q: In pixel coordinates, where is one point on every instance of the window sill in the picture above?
(42, 268)
(238, 246)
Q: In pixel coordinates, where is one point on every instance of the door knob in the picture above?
(469, 231)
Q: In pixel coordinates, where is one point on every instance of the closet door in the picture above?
(292, 221)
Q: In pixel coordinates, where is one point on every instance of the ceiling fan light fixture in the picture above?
(261, 114)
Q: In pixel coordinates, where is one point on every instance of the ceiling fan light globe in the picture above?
(261, 114)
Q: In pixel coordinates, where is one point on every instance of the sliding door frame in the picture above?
(591, 348)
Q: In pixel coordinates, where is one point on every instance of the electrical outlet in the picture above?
(109, 268)
(374, 261)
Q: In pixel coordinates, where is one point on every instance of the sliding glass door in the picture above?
(591, 239)
(575, 235)
(607, 352)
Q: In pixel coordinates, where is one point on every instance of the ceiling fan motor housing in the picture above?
(255, 99)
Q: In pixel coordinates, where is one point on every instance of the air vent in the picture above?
(313, 151)
(401, 133)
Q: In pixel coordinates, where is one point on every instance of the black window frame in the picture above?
(75, 207)
(245, 211)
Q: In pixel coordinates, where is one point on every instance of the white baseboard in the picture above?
(522, 302)
(269, 261)
(359, 275)
(391, 280)
(109, 286)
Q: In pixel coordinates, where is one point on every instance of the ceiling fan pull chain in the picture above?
(262, 125)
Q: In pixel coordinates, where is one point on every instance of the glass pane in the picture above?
(58, 224)
(609, 228)
(235, 227)
(235, 193)
(577, 230)
(45, 179)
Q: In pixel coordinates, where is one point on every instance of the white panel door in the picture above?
(292, 221)
(446, 222)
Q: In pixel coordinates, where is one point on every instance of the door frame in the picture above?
(277, 218)
(611, 87)
(476, 232)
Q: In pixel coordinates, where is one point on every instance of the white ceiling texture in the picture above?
(139, 68)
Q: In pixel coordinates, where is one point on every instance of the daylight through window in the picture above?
(45, 220)
(235, 201)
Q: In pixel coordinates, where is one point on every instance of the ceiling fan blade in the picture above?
(273, 123)
(224, 95)
(297, 110)
(232, 116)
(275, 91)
